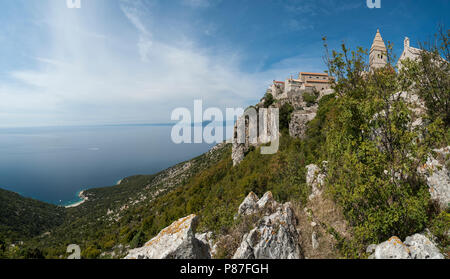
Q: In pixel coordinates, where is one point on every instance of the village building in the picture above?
(277, 88)
(408, 53)
(306, 82)
(321, 82)
(318, 81)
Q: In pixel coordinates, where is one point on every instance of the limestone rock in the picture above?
(254, 129)
(417, 246)
(438, 177)
(315, 241)
(238, 152)
(315, 177)
(422, 248)
(275, 235)
(394, 248)
(174, 242)
(299, 120)
(208, 241)
(267, 202)
(249, 205)
(371, 248)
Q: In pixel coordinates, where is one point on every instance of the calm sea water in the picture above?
(54, 164)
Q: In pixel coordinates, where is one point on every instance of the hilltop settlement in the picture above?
(361, 171)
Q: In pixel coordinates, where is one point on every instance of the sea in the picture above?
(53, 164)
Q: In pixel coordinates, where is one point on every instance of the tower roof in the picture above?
(378, 43)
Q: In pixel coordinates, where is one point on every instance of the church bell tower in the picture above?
(378, 53)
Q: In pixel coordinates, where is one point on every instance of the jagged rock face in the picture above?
(299, 121)
(275, 235)
(252, 204)
(208, 241)
(238, 151)
(438, 178)
(255, 131)
(249, 205)
(174, 242)
(315, 177)
(267, 202)
(417, 246)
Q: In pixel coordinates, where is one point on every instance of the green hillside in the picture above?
(24, 218)
(364, 131)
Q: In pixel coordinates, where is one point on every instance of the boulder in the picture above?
(417, 246)
(422, 248)
(174, 242)
(274, 236)
(394, 248)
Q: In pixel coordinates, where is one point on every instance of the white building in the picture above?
(408, 52)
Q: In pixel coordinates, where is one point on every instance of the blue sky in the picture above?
(134, 61)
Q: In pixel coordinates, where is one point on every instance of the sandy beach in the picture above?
(80, 202)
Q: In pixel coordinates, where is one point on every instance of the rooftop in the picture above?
(314, 74)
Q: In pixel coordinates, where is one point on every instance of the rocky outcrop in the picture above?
(274, 236)
(254, 128)
(208, 241)
(177, 241)
(417, 246)
(249, 205)
(315, 178)
(438, 177)
(238, 151)
(299, 121)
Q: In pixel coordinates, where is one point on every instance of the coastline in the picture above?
(83, 200)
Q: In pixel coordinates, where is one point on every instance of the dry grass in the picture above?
(323, 213)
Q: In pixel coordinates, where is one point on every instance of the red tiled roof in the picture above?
(278, 82)
(314, 74)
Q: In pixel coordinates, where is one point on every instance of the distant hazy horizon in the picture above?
(53, 164)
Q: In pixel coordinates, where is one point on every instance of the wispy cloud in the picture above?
(134, 10)
(89, 72)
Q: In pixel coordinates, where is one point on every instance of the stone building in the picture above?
(277, 88)
(378, 53)
(293, 85)
(306, 82)
(319, 81)
(408, 52)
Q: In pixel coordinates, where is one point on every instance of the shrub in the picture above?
(285, 115)
(138, 240)
(310, 98)
(268, 100)
(373, 150)
(431, 75)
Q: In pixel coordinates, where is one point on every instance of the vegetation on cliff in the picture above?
(372, 138)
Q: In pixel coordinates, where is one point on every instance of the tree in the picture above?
(138, 240)
(285, 115)
(268, 100)
(373, 149)
(431, 75)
